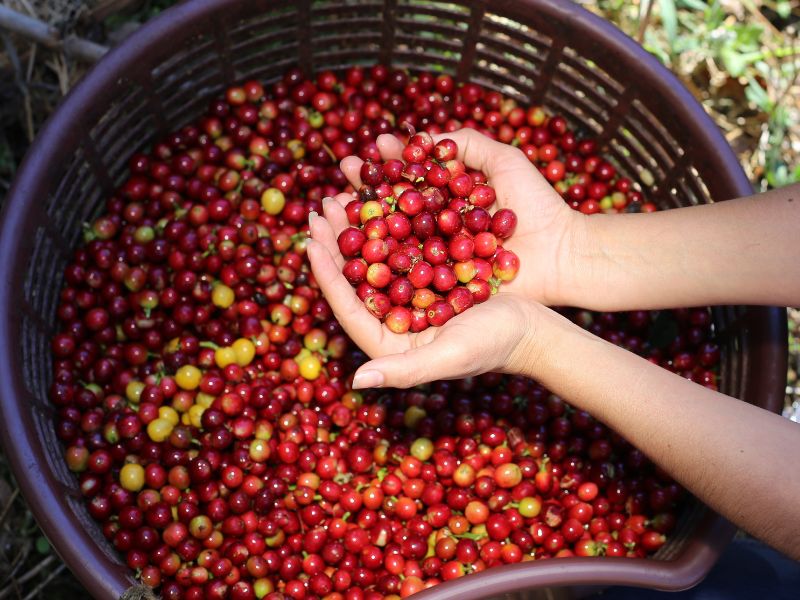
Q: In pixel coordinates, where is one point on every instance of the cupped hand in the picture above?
(493, 336)
(547, 232)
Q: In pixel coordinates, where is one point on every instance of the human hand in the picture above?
(546, 230)
(492, 336)
(453, 350)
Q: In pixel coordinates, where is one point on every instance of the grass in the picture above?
(740, 58)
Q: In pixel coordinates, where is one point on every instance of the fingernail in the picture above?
(311, 216)
(367, 379)
(326, 199)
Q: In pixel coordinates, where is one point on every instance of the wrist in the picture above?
(579, 264)
(547, 346)
(539, 338)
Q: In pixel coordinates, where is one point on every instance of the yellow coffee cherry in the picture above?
(168, 414)
(204, 400)
(296, 148)
(245, 351)
(133, 391)
(309, 366)
(222, 296)
(224, 356)
(371, 209)
(188, 377)
(159, 429)
(131, 477)
(195, 415)
(413, 415)
(273, 201)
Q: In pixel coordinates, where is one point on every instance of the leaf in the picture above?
(670, 19)
(714, 15)
(697, 5)
(663, 330)
(758, 96)
(42, 545)
(748, 36)
(732, 60)
(784, 9)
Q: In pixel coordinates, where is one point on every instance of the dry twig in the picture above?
(42, 33)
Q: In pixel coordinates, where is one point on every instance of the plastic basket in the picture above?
(538, 51)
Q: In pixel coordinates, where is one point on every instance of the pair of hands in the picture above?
(497, 335)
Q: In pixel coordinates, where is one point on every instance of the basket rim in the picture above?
(105, 579)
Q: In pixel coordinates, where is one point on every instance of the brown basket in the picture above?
(538, 51)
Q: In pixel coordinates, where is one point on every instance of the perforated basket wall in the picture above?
(537, 51)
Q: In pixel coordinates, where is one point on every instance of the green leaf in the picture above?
(670, 19)
(42, 545)
(732, 60)
(778, 177)
(748, 36)
(784, 9)
(697, 5)
(758, 95)
(714, 15)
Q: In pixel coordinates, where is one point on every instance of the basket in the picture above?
(538, 51)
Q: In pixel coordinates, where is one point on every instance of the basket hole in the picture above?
(278, 17)
(591, 70)
(194, 51)
(43, 421)
(430, 33)
(580, 104)
(432, 11)
(646, 169)
(570, 78)
(659, 134)
(510, 29)
(500, 79)
(40, 292)
(704, 194)
(55, 206)
(571, 109)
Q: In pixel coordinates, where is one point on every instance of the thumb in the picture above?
(433, 361)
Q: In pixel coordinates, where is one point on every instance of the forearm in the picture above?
(738, 459)
(743, 251)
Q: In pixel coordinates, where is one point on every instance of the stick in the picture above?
(48, 36)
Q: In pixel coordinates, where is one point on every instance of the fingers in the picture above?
(480, 152)
(389, 146)
(322, 232)
(333, 209)
(364, 329)
(351, 167)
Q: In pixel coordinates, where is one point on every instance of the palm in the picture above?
(454, 350)
(542, 219)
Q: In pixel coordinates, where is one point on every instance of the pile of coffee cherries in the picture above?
(202, 385)
(396, 256)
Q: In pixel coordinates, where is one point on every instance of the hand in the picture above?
(456, 349)
(492, 336)
(547, 228)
